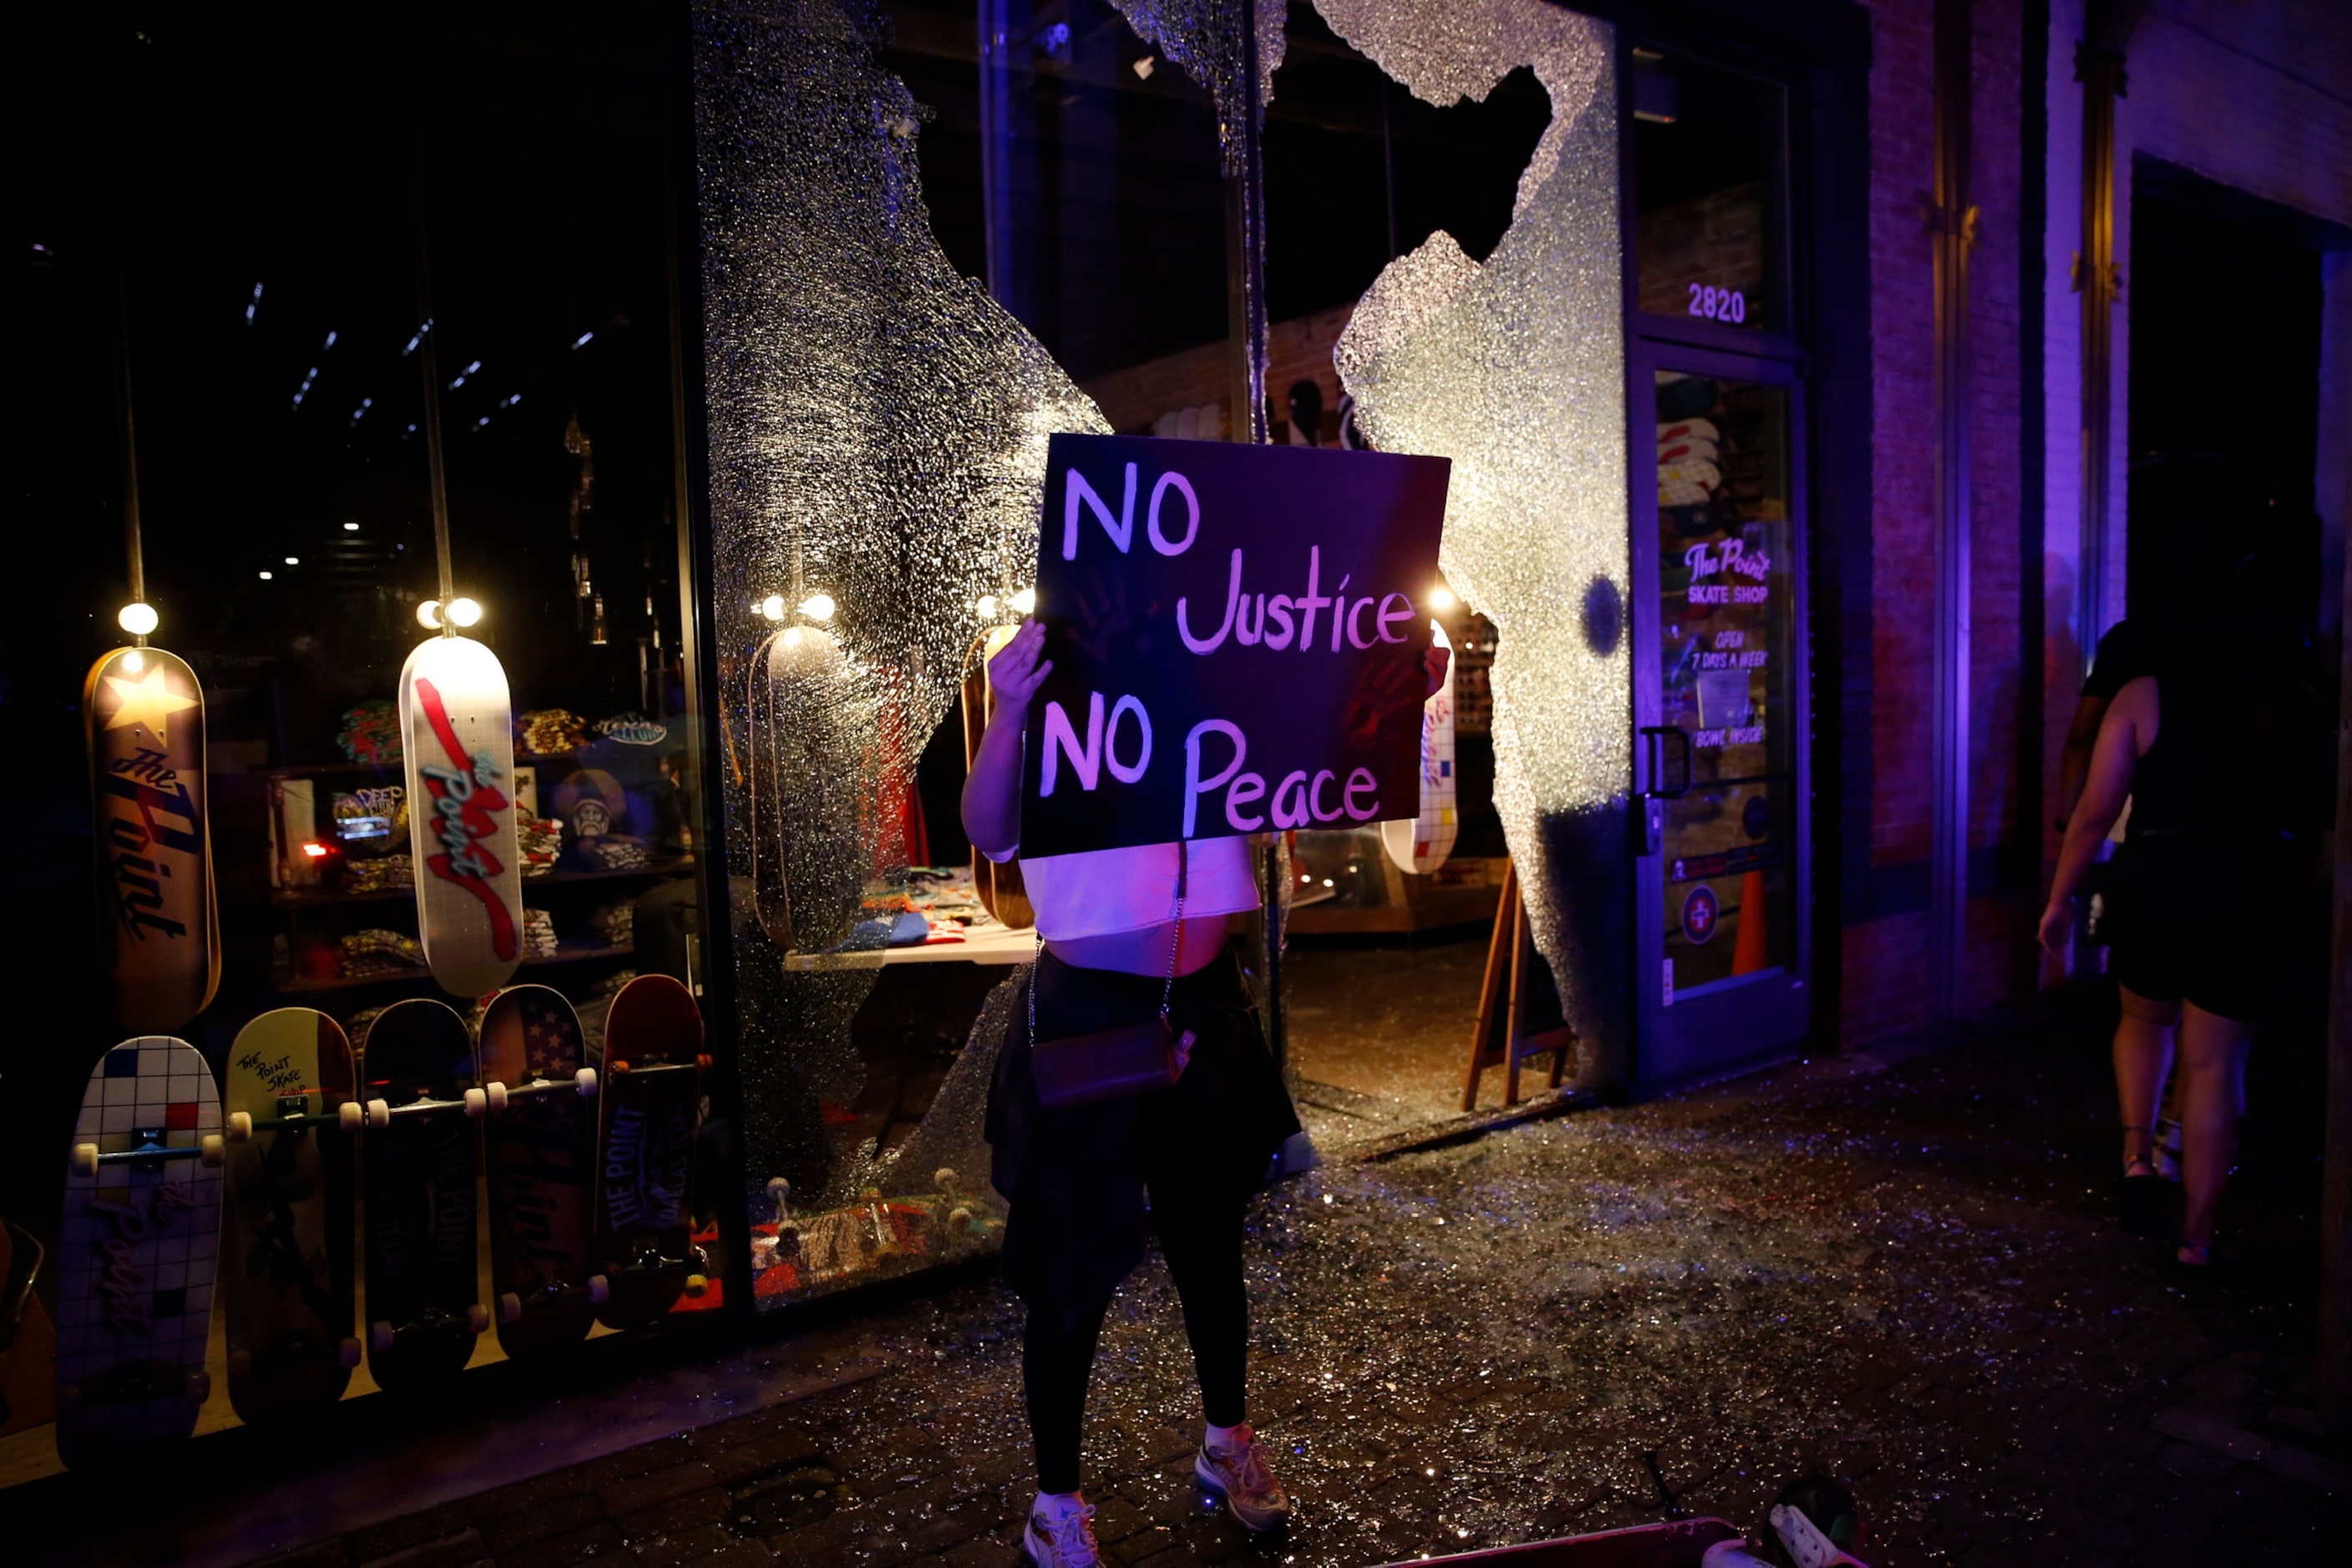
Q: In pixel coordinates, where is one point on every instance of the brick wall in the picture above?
(1886, 965)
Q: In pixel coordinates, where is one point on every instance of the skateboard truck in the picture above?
(554, 1292)
(381, 1112)
(495, 1097)
(293, 1116)
(86, 1157)
(382, 1335)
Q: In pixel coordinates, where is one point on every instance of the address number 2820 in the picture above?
(1718, 304)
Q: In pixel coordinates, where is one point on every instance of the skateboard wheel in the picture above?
(960, 1216)
(240, 1365)
(199, 1386)
(85, 1159)
(477, 1103)
(380, 1336)
(477, 1318)
(944, 1178)
(240, 1126)
(586, 1078)
(510, 1307)
(347, 1354)
(348, 1116)
(600, 1290)
(616, 1068)
(697, 1284)
(496, 1093)
(702, 1062)
(379, 1113)
(212, 1150)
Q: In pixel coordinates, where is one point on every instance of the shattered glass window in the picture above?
(1512, 363)
(877, 424)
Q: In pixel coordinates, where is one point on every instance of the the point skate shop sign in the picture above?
(1236, 634)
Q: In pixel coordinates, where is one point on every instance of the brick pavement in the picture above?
(1907, 1275)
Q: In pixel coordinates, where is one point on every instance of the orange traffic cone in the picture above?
(1748, 955)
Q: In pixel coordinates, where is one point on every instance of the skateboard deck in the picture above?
(1422, 843)
(460, 730)
(135, 1263)
(540, 1139)
(159, 942)
(418, 1168)
(796, 680)
(1001, 890)
(292, 1128)
(650, 1104)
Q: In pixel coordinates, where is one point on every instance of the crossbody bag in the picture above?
(1111, 1064)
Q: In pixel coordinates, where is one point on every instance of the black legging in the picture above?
(1202, 1239)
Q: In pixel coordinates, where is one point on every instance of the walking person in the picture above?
(1127, 935)
(2219, 752)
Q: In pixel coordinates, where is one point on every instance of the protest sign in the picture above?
(1237, 636)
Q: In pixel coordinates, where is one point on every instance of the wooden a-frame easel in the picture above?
(1504, 990)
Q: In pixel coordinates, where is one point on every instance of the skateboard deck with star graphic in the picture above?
(159, 929)
(538, 1139)
(138, 1250)
(292, 1131)
(650, 1106)
(418, 1165)
(458, 726)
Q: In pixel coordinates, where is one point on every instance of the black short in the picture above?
(2201, 921)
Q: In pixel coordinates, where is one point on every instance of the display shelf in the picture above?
(320, 898)
(999, 945)
(567, 953)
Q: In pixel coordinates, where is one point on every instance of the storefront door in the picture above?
(1720, 706)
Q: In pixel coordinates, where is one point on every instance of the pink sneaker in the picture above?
(1240, 1476)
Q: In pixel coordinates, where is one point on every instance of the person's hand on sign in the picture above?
(1435, 661)
(991, 791)
(1019, 667)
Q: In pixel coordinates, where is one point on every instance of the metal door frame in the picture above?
(1775, 1007)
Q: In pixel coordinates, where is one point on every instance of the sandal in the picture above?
(2140, 1201)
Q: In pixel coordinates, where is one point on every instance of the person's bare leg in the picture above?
(2144, 1041)
(2213, 1066)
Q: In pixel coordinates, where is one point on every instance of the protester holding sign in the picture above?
(1135, 1061)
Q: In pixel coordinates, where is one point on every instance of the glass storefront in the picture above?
(745, 326)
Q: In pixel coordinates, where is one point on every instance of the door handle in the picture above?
(1657, 735)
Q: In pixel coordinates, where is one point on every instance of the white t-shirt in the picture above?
(1099, 891)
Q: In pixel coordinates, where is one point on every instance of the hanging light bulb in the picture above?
(1441, 597)
(464, 611)
(987, 606)
(772, 607)
(429, 615)
(1024, 601)
(137, 618)
(818, 606)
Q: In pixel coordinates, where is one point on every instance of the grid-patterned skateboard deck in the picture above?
(292, 1129)
(1422, 843)
(418, 1159)
(651, 1106)
(539, 1141)
(140, 1240)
